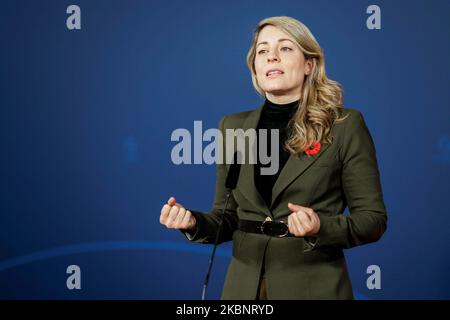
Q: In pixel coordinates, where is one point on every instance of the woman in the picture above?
(327, 161)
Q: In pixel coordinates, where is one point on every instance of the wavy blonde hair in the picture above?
(321, 100)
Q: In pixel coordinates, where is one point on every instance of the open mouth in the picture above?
(274, 73)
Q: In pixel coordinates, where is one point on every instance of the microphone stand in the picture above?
(211, 259)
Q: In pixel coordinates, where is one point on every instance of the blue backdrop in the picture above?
(87, 115)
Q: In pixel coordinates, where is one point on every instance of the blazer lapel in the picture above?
(246, 183)
(293, 168)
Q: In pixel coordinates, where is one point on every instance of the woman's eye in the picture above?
(261, 51)
(286, 49)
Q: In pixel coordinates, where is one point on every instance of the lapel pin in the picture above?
(313, 149)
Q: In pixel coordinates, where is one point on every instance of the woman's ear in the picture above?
(308, 67)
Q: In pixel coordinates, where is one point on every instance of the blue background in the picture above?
(86, 119)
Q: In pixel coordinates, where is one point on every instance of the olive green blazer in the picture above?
(344, 173)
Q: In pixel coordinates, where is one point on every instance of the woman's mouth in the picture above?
(274, 73)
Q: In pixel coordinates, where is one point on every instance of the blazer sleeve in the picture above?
(208, 223)
(362, 189)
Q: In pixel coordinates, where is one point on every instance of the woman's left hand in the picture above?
(303, 222)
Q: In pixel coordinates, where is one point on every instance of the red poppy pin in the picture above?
(313, 149)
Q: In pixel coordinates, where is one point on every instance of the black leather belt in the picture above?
(271, 228)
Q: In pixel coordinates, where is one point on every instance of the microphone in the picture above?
(233, 174)
(230, 184)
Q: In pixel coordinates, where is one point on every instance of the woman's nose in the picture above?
(272, 57)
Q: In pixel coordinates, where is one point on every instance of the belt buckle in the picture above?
(277, 229)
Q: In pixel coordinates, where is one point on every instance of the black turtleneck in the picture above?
(273, 116)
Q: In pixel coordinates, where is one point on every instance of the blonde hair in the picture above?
(321, 100)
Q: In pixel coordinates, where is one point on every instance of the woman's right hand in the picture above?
(175, 216)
